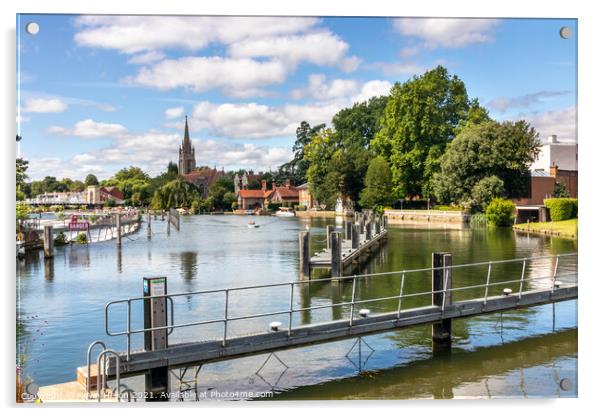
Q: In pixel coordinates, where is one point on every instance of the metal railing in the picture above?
(226, 319)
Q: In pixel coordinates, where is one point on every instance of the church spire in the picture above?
(186, 143)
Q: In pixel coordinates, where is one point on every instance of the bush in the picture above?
(561, 208)
(486, 189)
(478, 220)
(60, 239)
(500, 212)
(81, 238)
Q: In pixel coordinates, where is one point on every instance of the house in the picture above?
(541, 187)
(96, 195)
(561, 154)
(242, 181)
(256, 199)
(286, 195)
(203, 179)
(305, 199)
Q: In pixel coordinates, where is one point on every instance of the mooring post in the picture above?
(348, 225)
(355, 236)
(155, 315)
(168, 222)
(368, 231)
(149, 232)
(442, 283)
(336, 269)
(385, 221)
(48, 242)
(304, 253)
(329, 230)
(362, 222)
(118, 229)
(377, 226)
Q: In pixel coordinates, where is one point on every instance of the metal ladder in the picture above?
(101, 377)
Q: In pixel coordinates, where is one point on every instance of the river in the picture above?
(523, 353)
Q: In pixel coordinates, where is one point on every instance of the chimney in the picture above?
(553, 139)
(287, 183)
(554, 171)
(264, 185)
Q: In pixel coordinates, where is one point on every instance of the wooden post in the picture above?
(377, 226)
(304, 253)
(329, 230)
(442, 277)
(168, 222)
(362, 222)
(118, 229)
(385, 221)
(368, 231)
(48, 242)
(336, 269)
(355, 236)
(149, 232)
(348, 225)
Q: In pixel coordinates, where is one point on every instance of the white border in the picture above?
(589, 160)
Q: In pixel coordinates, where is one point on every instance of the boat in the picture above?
(285, 212)
(252, 224)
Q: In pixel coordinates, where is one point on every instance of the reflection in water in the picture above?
(87, 277)
(462, 374)
(49, 269)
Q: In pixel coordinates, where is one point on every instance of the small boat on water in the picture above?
(285, 212)
(252, 224)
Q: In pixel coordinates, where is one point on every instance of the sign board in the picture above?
(155, 312)
(79, 226)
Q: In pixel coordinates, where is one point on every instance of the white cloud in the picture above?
(447, 32)
(319, 89)
(374, 88)
(90, 129)
(134, 34)
(106, 107)
(409, 51)
(236, 77)
(560, 122)
(44, 105)
(320, 48)
(397, 69)
(146, 57)
(175, 112)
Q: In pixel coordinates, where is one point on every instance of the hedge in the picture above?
(561, 208)
(500, 212)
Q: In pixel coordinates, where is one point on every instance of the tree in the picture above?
(131, 181)
(378, 190)
(172, 168)
(360, 123)
(487, 150)
(560, 191)
(485, 190)
(296, 169)
(175, 194)
(420, 118)
(91, 180)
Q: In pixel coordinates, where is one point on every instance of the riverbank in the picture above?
(404, 216)
(566, 229)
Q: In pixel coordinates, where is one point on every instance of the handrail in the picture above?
(88, 363)
(226, 318)
(100, 385)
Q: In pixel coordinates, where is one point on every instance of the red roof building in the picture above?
(203, 179)
(256, 199)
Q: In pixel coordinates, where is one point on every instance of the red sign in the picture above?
(79, 226)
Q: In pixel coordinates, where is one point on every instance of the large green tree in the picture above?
(378, 190)
(175, 194)
(482, 157)
(359, 123)
(134, 183)
(91, 180)
(296, 169)
(420, 118)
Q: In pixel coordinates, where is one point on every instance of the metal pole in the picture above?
(403, 278)
(129, 317)
(226, 318)
(522, 278)
(487, 284)
(352, 301)
(555, 272)
(118, 229)
(290, 310)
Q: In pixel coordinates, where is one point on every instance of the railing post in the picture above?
(441, 282)
(290, 310)
(487, 284)
(226, 318)
(149, 232)
(403, 278)
(304, 257)
(522, 279)
(336, 266)
(348, 225)
(555, 273)
(368, 230)
(352, 301)
(329, 230)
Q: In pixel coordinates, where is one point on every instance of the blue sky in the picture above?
(98, 93)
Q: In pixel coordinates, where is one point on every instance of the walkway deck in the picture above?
(349, 255)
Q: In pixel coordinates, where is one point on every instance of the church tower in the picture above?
(187, 162)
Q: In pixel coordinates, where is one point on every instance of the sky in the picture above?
(99, 93)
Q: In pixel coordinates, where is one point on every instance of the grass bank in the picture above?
(566, 228)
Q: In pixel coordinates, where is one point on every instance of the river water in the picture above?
(523, 353)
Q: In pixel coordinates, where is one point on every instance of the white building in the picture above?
(563, 155)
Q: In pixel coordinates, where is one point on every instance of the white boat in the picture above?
(285, 212)
(252, 224)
